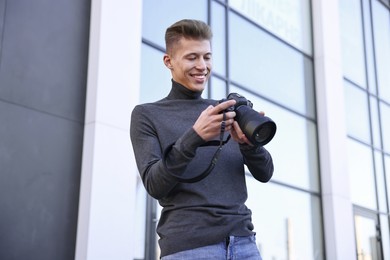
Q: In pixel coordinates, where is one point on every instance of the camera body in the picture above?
(257, 128)
(240, 101)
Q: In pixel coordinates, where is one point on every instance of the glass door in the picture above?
(367, 235)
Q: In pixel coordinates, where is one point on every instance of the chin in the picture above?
(198, 88)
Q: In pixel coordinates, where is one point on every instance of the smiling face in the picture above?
(190, 63)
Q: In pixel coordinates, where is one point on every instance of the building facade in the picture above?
(319, 68)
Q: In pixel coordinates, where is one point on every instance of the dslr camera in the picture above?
(257, 128)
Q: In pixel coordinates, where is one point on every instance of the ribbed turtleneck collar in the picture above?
(178, 91)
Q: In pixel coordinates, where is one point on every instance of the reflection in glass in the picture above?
(287, 222)
(369, 46)
(358, 124)
(385, 121)
(218, 88)
(376, 136)
(157, 16)
(361, 174)
(219, 38)
(381, 18)
(385, 236)
(352, 41)
(293, 149)
(267, 66)
(387, 170)
(366, 240)
(154, 87)
(380, 182)
(288, 19)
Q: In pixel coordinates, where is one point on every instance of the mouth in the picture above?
(200, 77)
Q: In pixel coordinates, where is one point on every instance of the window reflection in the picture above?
(288, 19)
(376, 137)
(385, 120)
(366, 238)
(293, 148)
(158, 16)
(158, 85)
(352, 41)
(380, 182)
(265, 65)
(361, 174)
(381, 18)
(369, 46)
(219, 38)
(218, 88)
(385, 236)
(387, 169)
(287, 222)
(356, 107)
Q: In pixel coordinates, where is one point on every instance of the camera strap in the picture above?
(214, 160)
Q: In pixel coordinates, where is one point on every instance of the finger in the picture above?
(235, 135)
(224, 105)
(228, 117)
(237, 129)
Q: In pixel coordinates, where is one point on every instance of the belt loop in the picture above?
(227, 241)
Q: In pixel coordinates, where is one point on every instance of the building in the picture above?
(71, 72)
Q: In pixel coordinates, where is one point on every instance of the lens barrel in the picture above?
(258, 129)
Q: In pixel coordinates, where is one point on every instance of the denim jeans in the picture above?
(234, 248)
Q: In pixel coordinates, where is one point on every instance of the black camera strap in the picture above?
(214, 160)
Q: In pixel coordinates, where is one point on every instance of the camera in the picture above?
(257, 128)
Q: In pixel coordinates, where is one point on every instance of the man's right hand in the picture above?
(208, 124)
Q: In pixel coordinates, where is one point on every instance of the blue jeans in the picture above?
(234, 248)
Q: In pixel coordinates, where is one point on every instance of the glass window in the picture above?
(158, 86)
(381, 182)
(385, 121)
(367, 244)
(385, 236)
(159, 15)
(218, 88)
(287, 222)
(219, 38)
(288, 19)
(381, 23)
(375, 122)
(352, 41)
(358, 124)
(360, 169)
(293, 148)
(370, 63)
(269, 67)
(387, 170)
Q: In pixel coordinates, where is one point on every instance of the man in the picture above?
(202, 191)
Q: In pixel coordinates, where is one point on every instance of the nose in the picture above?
(201, 64)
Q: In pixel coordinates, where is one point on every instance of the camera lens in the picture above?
(258, 129)
(264, 133)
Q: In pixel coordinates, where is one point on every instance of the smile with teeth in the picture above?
(199, 76)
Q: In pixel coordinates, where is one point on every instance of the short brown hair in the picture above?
(189, 29)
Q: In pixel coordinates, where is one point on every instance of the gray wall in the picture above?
(43, 71)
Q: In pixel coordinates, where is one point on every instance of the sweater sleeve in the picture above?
(155, 173)
(259, 162)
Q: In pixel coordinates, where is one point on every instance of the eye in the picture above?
(207, 57)
(191, 57)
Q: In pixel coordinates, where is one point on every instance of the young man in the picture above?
(204, 214)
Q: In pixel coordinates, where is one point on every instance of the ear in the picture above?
(167, 61)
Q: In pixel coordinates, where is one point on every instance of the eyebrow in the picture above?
(197, 54)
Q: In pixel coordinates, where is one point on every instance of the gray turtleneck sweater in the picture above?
(165, 145)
